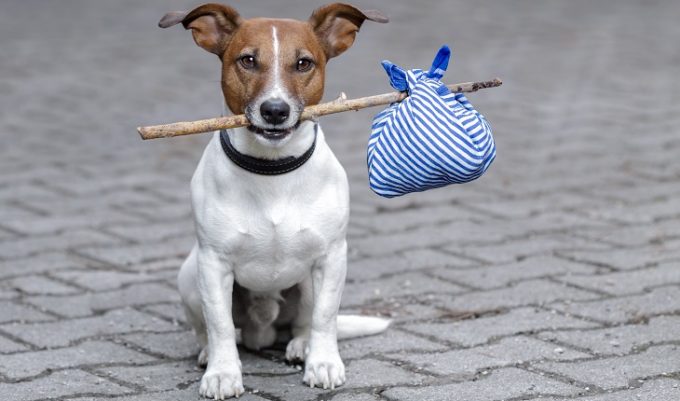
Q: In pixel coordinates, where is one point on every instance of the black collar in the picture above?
(265, 166)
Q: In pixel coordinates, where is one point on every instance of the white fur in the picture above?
(277, 89)
(268, 234)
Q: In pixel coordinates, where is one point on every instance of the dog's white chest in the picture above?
(274, 249)
(270, 231)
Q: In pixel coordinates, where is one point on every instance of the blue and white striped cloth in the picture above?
(430, 139)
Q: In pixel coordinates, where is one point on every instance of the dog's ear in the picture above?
(337, 24)
(212, 25)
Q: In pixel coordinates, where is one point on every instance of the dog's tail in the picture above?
(350, 326)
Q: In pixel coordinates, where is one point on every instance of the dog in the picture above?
(270, 201)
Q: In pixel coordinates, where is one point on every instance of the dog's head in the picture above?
(272, 68)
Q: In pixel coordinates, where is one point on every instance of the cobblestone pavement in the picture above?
(556, 276)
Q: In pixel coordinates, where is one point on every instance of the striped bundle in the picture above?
(431, 139)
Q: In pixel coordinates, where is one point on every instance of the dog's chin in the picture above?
(273, 135)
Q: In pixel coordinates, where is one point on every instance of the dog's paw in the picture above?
(297, 349)
(222, 384)
(324, 370)
(203, 357)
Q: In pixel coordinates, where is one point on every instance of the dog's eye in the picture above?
(304, 65)
(248, 62)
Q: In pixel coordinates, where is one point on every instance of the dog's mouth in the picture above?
(272, 133)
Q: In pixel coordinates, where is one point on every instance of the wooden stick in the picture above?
(336, 106)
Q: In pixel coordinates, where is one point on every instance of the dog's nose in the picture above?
(275, 111)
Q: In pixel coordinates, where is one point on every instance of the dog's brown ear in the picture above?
(212, 25)
(337, 24)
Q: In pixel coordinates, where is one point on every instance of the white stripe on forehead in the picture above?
(277, 90)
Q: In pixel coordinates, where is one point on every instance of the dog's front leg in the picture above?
(222, 378)
(323, 366)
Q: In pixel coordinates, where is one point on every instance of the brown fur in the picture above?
(254, 36)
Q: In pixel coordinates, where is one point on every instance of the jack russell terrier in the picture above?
(270, 201)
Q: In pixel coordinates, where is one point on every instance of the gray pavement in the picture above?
(555, 276)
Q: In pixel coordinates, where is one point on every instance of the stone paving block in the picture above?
(396, 286)
(175, 345)
(620, 340)
(479, 331)
(468, 362)
(155, 232)
(285, 387)
(356, 231)
(164, 212)
(500, 384)
(7, 346)
(118, 199)
(659, 389)
(188, 394)
(6, 235)
(29, 246)
(629, 282)
(60, 384)
(517, 250)
(455, 232)
(8, 210)
(544, 223)
(393, 340)
(44, 262)
(9, 293)
(102, 280)
(642, 213)
(25, 191)
(90, 303)
(373, 373)
(86, 186)
(129, 255)
(635, 235)
(32, 285)
(57, 224)
(619, 372)
(494, 276)
(63, 332)
(355, 397)
(273, 363)
(152, 266)
(650, 191)
(530, 292)
(662, 300)
(166, 376)
(529, 206)
(629, 258)
(27, 364)
(399, 311)
(418, 259)
(15, 312)
(172, 311)
(402, 220)
(11, 210)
